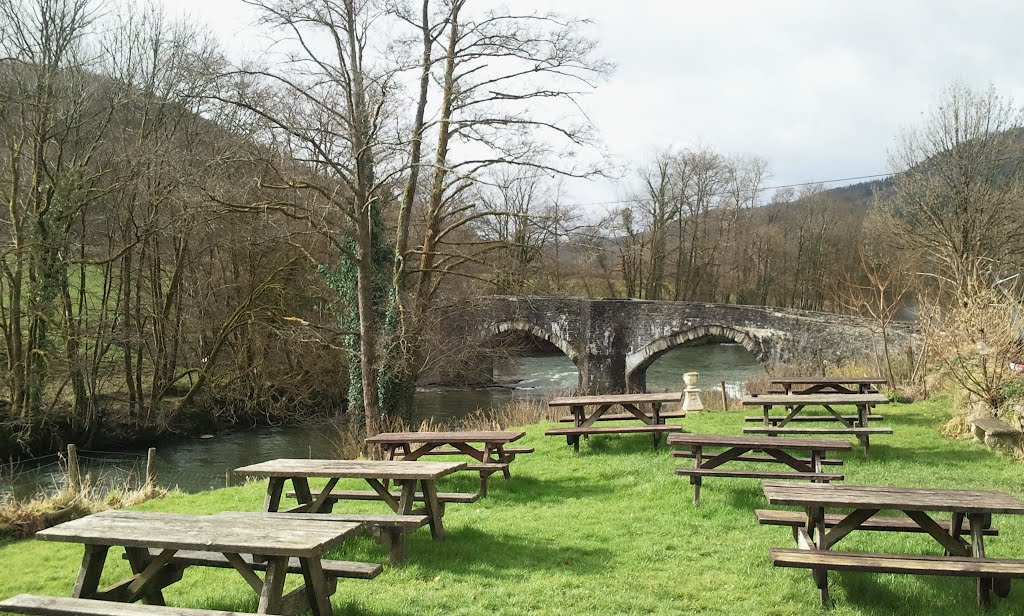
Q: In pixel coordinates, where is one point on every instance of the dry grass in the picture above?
(712, 399)
(24, 517)
(518, 412)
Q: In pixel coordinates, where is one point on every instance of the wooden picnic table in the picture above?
(489, 449)
(830, 384)
(738, 449)
(857, 425)
(377, 473)
(818, 534)
(153, 541)
(645, 407)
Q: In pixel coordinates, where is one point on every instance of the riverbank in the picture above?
(611, 531)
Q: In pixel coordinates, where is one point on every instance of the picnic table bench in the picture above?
(488, 449)
(856, 425)
(830, 384)
(818, 532)
(160, 546)
(644, 407)
(737, 448)
(378, 474)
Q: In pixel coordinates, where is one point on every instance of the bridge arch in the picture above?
(537, 331)
(640, 360)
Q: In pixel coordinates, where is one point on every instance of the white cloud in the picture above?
(819, 88)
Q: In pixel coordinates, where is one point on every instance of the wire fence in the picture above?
(47, 475)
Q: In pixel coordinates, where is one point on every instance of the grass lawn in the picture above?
(612, 531)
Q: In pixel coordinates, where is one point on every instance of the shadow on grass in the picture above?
(520, 490)
(935, 456)
(913, 418)
(468, 550)
(873, 593)
(621, 444)
(744, 496)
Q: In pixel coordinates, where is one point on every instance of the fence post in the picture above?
(228, 477)
(725, 398)
(150, 468)
(74, 474)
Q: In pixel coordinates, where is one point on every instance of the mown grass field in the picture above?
(613, 531)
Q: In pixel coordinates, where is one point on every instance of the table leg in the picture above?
(978, 522)
(140, 560)
(433, 506)
(816, 456)
(484, 475)
(504, 458)
(273, 586)
(273, 500)
(956, 527)
(695, 480)
(816, 519)
(89, 574)
(317, 590)
(302, 492)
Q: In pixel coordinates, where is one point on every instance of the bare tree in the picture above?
(328, 107)
(958, 187)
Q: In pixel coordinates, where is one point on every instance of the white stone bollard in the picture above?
(691, 395)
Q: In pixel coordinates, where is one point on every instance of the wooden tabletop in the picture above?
(888, 497)
(351, 469)
(146, 529)
(813, 399)
(768, 442)
(670, 396)
(445, 437)
(814, 380)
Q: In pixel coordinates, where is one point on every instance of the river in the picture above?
(199, 463)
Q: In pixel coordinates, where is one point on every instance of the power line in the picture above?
(857, 178)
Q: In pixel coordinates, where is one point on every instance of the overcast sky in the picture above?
(818, 88)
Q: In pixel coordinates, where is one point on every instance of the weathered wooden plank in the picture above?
(815, 380)
(201, 532)
(351, 469)
(778, 517)
(672, 396)
(890, 497)
(728, 440)
(490, 467)
(963, 566)
(369, 519)
(444, 497)
(446, 437)
(792, 430)
(449, 451)
(333, 568)
(627, 416)
(811, 418)
(612, 430)
(65, 606)
(755, 474)
(754, 458)
(813, 399)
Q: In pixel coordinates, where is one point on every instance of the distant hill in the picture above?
(860, 194)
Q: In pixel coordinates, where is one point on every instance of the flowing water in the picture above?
(199, 463)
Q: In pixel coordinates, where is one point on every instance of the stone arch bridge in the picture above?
(612, 342)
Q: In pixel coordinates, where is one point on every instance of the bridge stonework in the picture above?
(614, 341)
